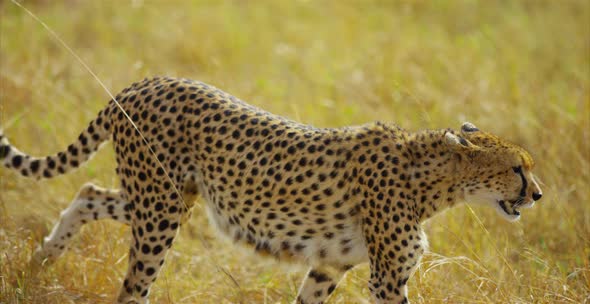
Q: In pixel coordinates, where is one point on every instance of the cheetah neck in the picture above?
(431, 172)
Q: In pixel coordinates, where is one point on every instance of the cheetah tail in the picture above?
(76, 154)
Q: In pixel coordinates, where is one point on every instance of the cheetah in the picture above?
(328, 198)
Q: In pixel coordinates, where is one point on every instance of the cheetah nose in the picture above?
(537, 196)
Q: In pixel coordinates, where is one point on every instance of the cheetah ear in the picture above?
(459, 143)
(468, 127)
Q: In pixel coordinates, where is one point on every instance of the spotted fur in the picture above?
(327, 198)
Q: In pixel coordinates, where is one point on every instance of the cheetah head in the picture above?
(493, 171)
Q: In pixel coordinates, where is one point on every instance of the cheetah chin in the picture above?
(512, 214)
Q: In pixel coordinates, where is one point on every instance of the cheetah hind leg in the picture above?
(91, 203)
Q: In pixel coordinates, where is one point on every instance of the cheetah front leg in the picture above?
(318, 285)
(393, 262)
(91, 203)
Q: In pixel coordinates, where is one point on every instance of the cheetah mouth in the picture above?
(509, 211)
(504, 207)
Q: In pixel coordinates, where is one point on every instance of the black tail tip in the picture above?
(4, 146)
(4, 150)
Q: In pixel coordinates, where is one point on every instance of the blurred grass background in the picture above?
(520, 69)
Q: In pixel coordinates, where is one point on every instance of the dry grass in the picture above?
(520, 69)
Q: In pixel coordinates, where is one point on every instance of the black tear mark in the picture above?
(518, 170)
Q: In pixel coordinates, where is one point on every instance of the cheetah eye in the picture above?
(517, 170)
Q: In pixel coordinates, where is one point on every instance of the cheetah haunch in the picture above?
(328, 198)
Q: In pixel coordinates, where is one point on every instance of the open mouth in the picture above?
(511, 209)
(505, 208)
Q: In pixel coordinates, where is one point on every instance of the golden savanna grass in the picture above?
(520, 69)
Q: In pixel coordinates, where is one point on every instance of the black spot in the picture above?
(331, 288)
(34, 166)
(50, 163)
(318, 276)
(17, 160)
(157, 249)
(163, 225)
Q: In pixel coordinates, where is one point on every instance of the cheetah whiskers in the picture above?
(519, 202)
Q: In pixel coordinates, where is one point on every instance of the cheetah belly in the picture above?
(343, 248)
